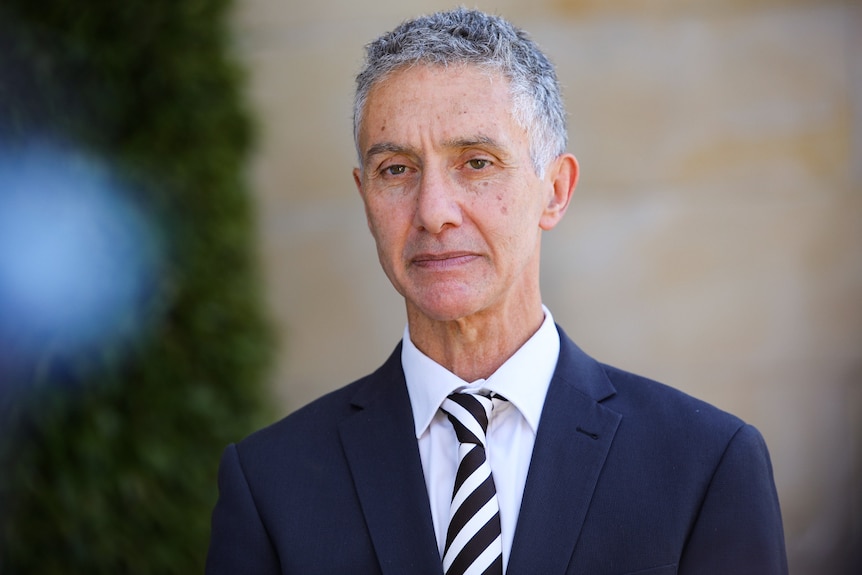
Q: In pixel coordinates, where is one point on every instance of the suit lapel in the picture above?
(381, 449)
(574, 436)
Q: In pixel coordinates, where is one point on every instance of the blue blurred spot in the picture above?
(76, 255)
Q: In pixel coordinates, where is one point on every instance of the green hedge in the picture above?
(109, 455)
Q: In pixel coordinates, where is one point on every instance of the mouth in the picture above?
(442, 261)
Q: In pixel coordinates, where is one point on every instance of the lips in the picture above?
(443, 261)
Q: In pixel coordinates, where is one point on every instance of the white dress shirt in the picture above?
(523, 379)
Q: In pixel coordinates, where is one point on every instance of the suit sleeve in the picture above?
(239, 542)
(739, 528)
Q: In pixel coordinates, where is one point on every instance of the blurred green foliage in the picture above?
(108, 459)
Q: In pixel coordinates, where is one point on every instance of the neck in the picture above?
(474, 347)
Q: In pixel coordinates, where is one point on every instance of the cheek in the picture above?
(510, 211)
(502, 205)
(387, 226)
(514, 223)
(381, 234)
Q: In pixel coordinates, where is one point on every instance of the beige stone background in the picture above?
(714, 242)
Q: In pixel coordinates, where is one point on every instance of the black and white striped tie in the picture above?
(473, 542)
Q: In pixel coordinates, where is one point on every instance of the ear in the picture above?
(357, 179)
(563, 177)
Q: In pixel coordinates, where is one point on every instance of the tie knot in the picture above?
(469, 414)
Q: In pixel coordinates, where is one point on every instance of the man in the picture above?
(488, 442)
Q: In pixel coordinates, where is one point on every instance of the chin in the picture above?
(446, 308)
(446, 300)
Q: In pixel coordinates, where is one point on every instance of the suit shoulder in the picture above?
(316, 419)
(646, 402)
(316, 423)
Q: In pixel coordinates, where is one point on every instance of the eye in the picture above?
(478, 163)
(395, 170)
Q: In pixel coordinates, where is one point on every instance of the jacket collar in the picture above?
(574, 436)
(572, 444)
(383, 455)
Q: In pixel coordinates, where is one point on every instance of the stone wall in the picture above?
(714, 242)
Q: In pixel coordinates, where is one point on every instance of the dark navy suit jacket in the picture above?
(627, 476)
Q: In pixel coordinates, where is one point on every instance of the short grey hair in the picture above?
(471, 37)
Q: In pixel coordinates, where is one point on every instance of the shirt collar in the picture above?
(523, 379)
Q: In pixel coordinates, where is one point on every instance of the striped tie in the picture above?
(473, 542)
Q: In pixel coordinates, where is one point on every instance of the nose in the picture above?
(437, 206)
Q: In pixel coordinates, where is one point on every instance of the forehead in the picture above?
(437, 97)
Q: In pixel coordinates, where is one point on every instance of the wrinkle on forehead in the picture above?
(403, 83)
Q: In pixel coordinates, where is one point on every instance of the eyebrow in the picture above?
(473, 142)
(457, 143)
(387, 148)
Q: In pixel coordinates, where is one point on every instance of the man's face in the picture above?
(450, 193)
